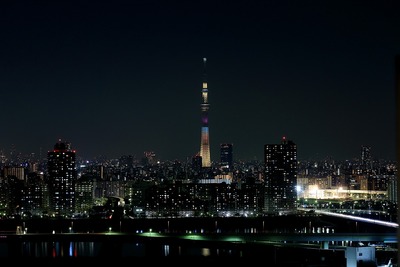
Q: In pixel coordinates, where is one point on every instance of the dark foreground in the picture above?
(184, 254)
(269, 255)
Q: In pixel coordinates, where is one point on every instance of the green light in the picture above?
(194, 237)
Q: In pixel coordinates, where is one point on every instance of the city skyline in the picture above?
(121, 78)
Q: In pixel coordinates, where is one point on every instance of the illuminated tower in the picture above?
(205, 137)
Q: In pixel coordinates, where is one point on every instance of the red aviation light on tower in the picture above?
(284, 141)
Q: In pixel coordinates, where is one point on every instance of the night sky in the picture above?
(119, 78)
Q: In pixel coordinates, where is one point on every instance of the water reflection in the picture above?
(98, 249)
(59, 249)
(133, 249)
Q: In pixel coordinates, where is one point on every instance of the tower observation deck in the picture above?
(205, 106)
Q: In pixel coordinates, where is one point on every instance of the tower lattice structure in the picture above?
(205, 135)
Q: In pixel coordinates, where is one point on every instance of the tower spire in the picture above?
(205, 142)
(205, 72)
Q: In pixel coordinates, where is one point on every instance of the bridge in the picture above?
(325, 239)
(351, 217)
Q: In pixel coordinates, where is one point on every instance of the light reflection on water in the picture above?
(59, 249)
(96, 249)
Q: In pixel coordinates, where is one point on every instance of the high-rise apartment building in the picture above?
(62, 175)
(226, 157)
(280, 176)
(205, 138)
(366, 159)
(197, 163)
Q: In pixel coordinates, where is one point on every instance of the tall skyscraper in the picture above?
(280, 176)
(366, 159)
(196, 163)
(226, 156)
(61, 167)
(205, 137)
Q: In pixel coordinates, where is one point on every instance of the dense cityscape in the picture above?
(60, 184)
(64, 185)
(117, 144)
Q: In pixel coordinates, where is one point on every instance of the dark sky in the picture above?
(119, 78)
